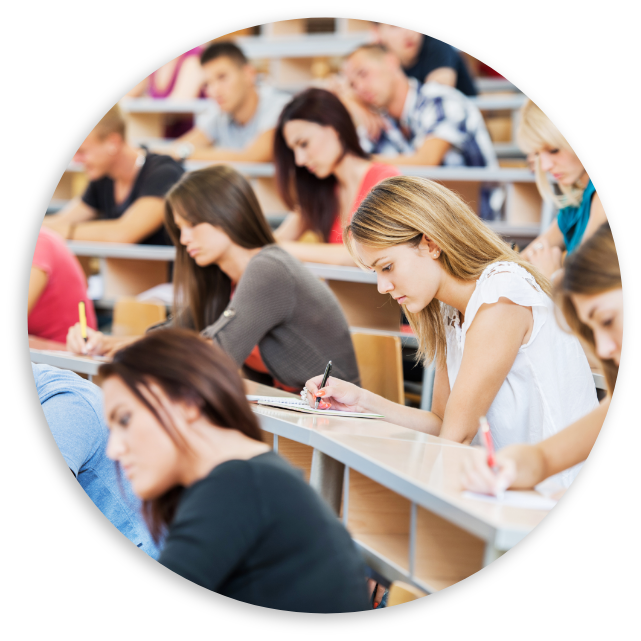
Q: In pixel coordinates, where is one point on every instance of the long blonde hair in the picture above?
(536, 132)
(403, 209)
(591, 270)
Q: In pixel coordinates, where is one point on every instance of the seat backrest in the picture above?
(133, 317)
(400, 592)
(380, 363)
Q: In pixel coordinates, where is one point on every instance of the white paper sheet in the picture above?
(525, 500)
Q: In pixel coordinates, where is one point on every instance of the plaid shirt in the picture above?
(437, 111)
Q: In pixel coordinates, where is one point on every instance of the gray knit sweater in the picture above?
(291, 315)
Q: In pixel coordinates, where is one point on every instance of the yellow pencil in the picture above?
(83, 320)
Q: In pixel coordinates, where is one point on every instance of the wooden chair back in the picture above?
(380, 364)
(400, 592)
(133, 317)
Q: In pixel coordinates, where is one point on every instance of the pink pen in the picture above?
(489, 445)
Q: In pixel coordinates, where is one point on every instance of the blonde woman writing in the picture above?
(580, 209)
(476, 306)
(591, 297)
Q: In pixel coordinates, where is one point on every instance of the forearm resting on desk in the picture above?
(326, 253)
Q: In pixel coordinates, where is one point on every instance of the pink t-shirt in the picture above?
(57, 308)
(375, 174)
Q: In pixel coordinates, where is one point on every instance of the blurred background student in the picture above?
(179, 79)
(123, 202)
(590, 295)
(580, 210)
(73, 409)
(238, 519)
(56, 285)
(239, 125)
(323, 175)
(425, 58)
(237, 287)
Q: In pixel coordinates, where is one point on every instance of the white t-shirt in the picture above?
(225, 132)
(550, 384)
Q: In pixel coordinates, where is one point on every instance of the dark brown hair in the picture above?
(592, 269)
(188, 368)
(220, 196)
(299, 188)
(223, 50)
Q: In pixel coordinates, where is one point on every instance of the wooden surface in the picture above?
(380, 364)
(36, 342)
(363, 306)
(132, 317)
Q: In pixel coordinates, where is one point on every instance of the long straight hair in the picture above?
(315, 198)
(220, 196)
(590, 270)
(403, 209)
(535, 133)
(187, 368)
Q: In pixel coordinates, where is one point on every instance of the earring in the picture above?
(437, 254)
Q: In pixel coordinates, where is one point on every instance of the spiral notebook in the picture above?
(299, 405)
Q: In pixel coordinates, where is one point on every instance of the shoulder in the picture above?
(49, 242)
(160, 162)
(51, 381)
(272, 259)
(379, 172)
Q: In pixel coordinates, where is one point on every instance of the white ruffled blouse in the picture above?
(550, 384)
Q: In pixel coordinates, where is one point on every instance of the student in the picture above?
(591, 298)
(56, 285)
(239, 126)
(224, 244)
(73, 409)
(238, 519)
(426, 59)
(424, 125)
(475, 306)
(316, 143)
(580, 210)
(123, 202)
(178, 79)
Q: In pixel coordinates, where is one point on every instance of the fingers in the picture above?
(478, 477)
(75, 342)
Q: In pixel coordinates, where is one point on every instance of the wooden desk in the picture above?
(398, 492)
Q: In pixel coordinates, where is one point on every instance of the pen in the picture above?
(489, 445)
(83, 320)
(328, 369)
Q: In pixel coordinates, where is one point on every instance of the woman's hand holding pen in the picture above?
(336, 395)
(479, 477)
(95, 344)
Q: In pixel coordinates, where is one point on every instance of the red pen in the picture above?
(489, 445)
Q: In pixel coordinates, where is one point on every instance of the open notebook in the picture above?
(299, 405)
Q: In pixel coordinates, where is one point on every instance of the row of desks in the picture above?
(397, 490)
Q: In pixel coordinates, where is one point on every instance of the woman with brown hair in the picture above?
(323, 174)
(281, 321)
(479, 309)
(236, 518)
(590, 296)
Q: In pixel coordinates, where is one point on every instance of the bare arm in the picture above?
(441, 392)
(442, 75)
(432, 152)
(523, 466)
(597, 217)
(326, 253)
(197, 137)
(142, 218)
(190, 80)
(75, 211)
(261, 150)
(38, 280)
(97, 344)
(290, 229)
(487, 359)
(552, 237)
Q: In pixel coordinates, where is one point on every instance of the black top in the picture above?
(255, 531)
(155, 178)
(435, 54)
